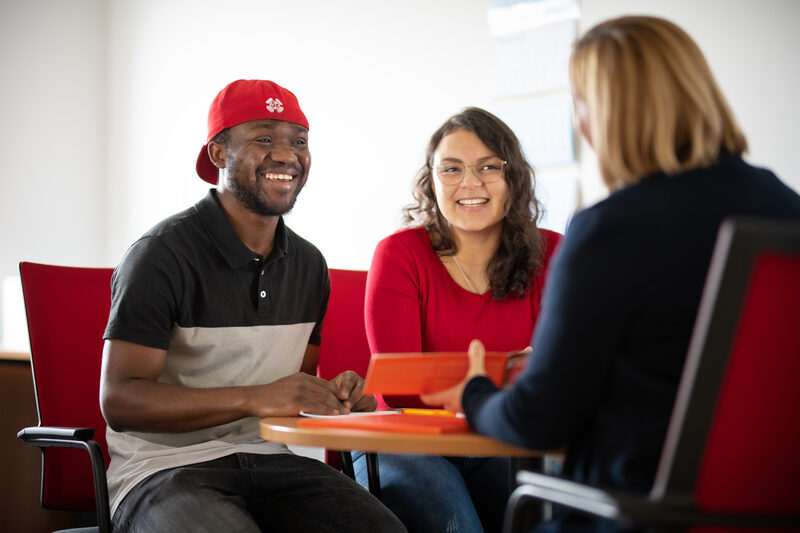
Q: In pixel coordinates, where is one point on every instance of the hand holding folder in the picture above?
(450, 398)
(426, 373)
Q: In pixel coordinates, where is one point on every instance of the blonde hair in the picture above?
(653, 104)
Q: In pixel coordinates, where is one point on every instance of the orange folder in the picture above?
(423, 373)
(393, 422)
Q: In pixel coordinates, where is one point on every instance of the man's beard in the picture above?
(255, 203)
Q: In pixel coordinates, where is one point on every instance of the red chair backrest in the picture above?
(752, 456)
(67, 310)
(733, 443)
(344, 337)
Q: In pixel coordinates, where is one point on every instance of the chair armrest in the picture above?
(32, 435)
(630, 508)
(65, 437)
(536, 486)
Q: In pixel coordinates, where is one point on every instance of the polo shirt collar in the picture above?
(225, 238)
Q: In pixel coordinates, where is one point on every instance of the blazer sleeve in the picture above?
(573, 345)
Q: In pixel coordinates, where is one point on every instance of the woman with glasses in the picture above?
(472, 264)
(625, 288)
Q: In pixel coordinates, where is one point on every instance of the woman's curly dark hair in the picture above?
(519, 255)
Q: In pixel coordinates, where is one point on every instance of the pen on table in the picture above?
(429, 412)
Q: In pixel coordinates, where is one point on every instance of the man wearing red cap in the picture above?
(215, 322)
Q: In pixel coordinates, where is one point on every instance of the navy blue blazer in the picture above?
(618, 311)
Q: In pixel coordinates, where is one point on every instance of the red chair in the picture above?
(731, 458)
(344, 337)
(345, 347)
(67, 310)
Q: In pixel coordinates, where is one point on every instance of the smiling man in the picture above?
(215, 322)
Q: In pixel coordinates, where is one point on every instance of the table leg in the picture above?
(347, 464)
(373, 474)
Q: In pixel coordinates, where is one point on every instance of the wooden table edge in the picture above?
(10, 355)
(285, 430)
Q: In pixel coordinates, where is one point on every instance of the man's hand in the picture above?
(450, 398)
(353, 386)
(302, 392)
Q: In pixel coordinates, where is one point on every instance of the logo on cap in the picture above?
(273, 104)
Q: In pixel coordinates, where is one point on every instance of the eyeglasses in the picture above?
(489, 170)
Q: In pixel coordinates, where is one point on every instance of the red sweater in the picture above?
(413, 305)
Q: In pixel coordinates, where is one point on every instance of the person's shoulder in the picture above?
(407, 248)
(592, 215)
(767, 178)
(413, 234)
(171, 223)
(160, 238)
(551, 238)
(731, 163)
(305, 261)
(302, 245)
(551, 241)
(407, 238)
(604, 224)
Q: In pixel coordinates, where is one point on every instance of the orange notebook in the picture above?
(393, 422)
(423, 373)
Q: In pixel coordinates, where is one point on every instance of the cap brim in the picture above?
(205, 168)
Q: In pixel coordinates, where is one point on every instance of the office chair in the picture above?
(731, 457)
(345, 347)
(67, 310)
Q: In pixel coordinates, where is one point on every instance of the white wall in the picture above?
(52, 64)
(374, 78)
(752, 48)
(52, 139)
(104, 105)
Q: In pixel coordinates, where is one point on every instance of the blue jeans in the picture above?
(252, 493)
(442, 494)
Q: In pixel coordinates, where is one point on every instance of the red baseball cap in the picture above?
(242, 101)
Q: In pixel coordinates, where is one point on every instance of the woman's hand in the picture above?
(450, 398)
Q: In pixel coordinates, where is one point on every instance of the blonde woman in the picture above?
(625, 285)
